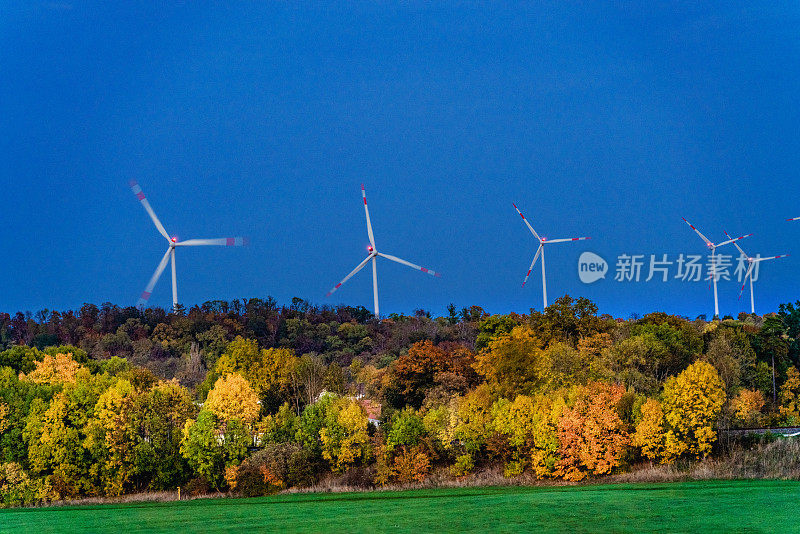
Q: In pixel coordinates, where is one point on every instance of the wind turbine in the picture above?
(540, 251)
(372, 254)
(173, 243)
(749, 274)
(713, 247)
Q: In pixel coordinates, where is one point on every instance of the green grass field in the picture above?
(715, 506)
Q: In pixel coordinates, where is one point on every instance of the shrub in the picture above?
(198, 486)
(359, 477)
(277, 466)
(411, 465)
(463, 466)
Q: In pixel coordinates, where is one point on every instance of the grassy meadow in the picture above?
(707, 506)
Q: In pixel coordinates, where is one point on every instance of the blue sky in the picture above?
(263, 119)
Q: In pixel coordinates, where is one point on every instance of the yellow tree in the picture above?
(650, 432)
(344, 435)
(233, 398)
(790, 396)
(692, 402)
(109, 438)
(268, 370)
(545, 444)
(58, 369)
(515, 422)
(473, 418)
(746, 407)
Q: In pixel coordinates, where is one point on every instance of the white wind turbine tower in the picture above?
(372, 254)
(713, 247)
(540, 251)
(749, 274)
(173, 243)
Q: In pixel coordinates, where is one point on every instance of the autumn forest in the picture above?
(251, 397)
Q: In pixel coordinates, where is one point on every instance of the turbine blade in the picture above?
(704, 238)
(567, 239)
(222, 242)
(412, 265)
(535, 257)
(793, 219)
(140, 195)
(366, 211)
(346, 278)
(153, 279)
(770, 257)
(527, 223)
(737, 245)
(733, 240)
(744, 280)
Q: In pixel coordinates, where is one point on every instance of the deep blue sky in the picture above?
(263, 118)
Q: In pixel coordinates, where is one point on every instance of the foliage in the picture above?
(558, 393)
(406, 429)
(58, 369)
(513, 362)
(18, 489)
(344, 435)
(233, 398)
(790, 396)
(591, 434)
(210, 447)
(277, 466)
(692, 403)
(746, 407)
(410, 465)
(650, 432)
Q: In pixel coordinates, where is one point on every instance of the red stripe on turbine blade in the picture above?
(145, 295)
(230, 241)
(438, 275)
(140, 195)
(133, 183)
(423, 269)
(329, 293)
(529, 272)
(338, 286)
(365, 201)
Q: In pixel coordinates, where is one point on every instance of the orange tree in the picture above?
(591, 434)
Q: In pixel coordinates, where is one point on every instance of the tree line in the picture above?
(251, 397)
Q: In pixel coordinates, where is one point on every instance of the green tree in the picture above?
(406, 429)
(210, 447)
